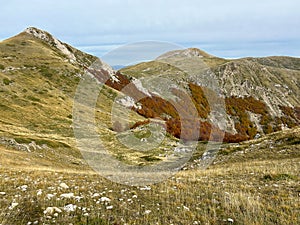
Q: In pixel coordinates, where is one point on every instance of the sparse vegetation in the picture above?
(278, 177)
(7, 81)
(33, 98)
(211, 196)
(45, 71)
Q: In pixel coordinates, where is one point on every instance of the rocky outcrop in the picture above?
(273, 86)
(28, 147)
(45, 36)
(73, 55)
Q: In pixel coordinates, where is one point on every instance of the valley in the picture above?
(225, 131)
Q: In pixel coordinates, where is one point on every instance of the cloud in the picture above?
(93, 22)
(138, 51)
(250, 49)
(98, 50)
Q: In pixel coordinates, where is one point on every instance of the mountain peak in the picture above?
(189, 52)
(51, 40)
(72, 54)
(30, 29)
(196, 52)
(41, 34)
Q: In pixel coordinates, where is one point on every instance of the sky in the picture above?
(230, 29)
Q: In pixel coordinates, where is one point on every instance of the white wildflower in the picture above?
(104, 199)
(23, 187)
(147, 211)
(95, 195)
(146, 188)
(64, 185)
(230, 220)
(52, 210)
(67, 195)
(186, 208)
(70, 208)
(13, 205)
(49, 196)
(78, 198)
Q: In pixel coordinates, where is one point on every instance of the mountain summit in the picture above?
(48, 38)
(189, 52)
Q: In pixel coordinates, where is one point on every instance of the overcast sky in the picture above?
(231, 28)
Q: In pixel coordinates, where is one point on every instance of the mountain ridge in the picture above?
(272, 86)
(243, 80)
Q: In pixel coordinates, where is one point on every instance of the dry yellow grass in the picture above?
(253, 192)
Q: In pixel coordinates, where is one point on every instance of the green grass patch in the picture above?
(7, 81)
(32, 98)
(278, 177)
(142, 134)
(4, 107)
(150, 158)
(49, 143)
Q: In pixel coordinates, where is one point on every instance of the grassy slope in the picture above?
(38, 97)
(247, 190)
(36, 102)
(37, 86)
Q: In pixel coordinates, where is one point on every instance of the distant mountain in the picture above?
(190, 52)
(262, 95)
(117, 67)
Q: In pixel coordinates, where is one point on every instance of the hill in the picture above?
(261, 95)
(38, 78)
(46, 178)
